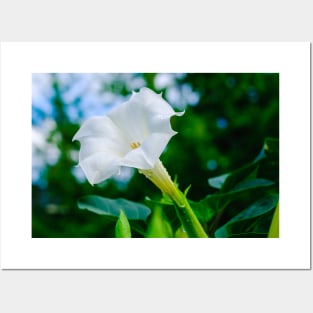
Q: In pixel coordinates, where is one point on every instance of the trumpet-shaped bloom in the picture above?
(133, 134)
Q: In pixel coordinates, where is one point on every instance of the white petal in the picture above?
(99, 167)
(154, 103)
(156, 110)
(144, 113)
(90, 145)
(131, 120)
(148, 153)
(160, 124)
(102, 127)
(102, 146)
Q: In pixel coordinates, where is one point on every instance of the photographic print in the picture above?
(155, 155)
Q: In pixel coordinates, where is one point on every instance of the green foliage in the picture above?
(110, 207)
(111, 211)
(159, 226)
(181, 233)
(250, 221)
(274, 228)
(122, 227)
(246, 197)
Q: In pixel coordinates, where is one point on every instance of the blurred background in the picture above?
(227, 117)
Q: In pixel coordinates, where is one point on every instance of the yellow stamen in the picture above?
(135, 145)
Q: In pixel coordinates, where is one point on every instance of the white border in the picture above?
(20, 251)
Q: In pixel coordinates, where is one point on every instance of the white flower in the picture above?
(133, 134)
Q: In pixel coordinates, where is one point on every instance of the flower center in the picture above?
(135, 145)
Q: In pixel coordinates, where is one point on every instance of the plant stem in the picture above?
(160, 177)
(189, 220)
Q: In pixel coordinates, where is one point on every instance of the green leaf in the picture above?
(274, 228)
(252, 183)
(181, 233)
(206, 208)
(247, 220)
(113, 207)
(203, 210)
(243, 173)
(168, 209)
(218, 181)
(227, 181)
(122, 227)
(159, 226)
(187, 190)
(259, 207)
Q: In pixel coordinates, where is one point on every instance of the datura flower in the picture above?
(133, 134)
